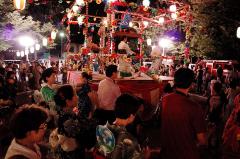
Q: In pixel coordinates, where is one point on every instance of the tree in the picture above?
(14, 24)
(214, 30)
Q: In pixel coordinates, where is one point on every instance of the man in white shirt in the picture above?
(108, 92)
(123, 46)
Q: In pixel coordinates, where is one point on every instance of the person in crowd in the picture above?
(91, 45)
(126, 145)
(74, 134)
(231, 93)
(84, 102)
(231, 137)
(48, 91)
(37, 71)
(199, 79)
(123, 47)
(206, 80)
(28, 126)
(31, 81)
(108, 92)
(11, 85)
(183, 129)
(216, 104)
(220, 72)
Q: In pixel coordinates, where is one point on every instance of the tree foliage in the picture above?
(214, 30)
(14, 24)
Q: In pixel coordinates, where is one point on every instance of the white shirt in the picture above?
(17, 149)
(124, 46)
(108, 92)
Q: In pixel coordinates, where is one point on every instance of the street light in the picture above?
(61, 36)
(18, 54)
(26, 41)
(165, 43)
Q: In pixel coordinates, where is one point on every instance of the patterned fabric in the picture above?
(84, 102)
(75, 127)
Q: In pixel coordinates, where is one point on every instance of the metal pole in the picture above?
(61, 49)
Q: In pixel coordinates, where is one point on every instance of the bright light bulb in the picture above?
(22, 53)
(37, 47)
(18, 53)
(149, 42)
(26, 41)
(69, 15)
(44, 41)
(145, 23)
(31, 49)
(130, 24)
(80, 19)
(238, 32)
(75, 8)
(146, 3)
(173, 8)
(61, 34)
(80, 2)
(105, 22)
(174, 16)
(161, 20)
(165, 43)
(53, 34)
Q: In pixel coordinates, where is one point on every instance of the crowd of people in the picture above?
(62, 120)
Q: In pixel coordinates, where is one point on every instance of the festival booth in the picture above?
(143, 86)
(138, 21)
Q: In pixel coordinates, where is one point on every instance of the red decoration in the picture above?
(109, 11)
(85, 51)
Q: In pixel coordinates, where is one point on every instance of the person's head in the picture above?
(183, 78)
(29, 122)
(127, 105)
(111, 71)
(49, 75)
(66, 97)
(124, 38)
(84, 77)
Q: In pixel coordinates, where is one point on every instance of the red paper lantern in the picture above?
(19, 4)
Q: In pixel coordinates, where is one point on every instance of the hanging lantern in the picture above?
(69, 15)
(19, 4)
(145, 23)
(22, 53)
(53, 34)
(37, 47)
(80, 2)
(149, 42)
(238, 32)
(98, 1)
(18, 54)
(146, 3)
(161, 20)
(75, 9)
(32, 49)
(26, 51)
(174, 16)
(80, 20)
(44, 41)
(131, 24)
(173, 8)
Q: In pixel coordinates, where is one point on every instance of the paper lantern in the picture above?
(19, 4)
(238, 32)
